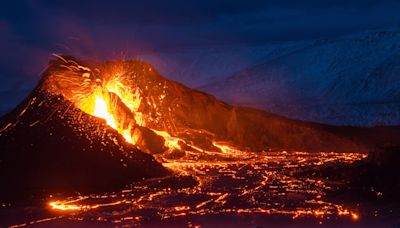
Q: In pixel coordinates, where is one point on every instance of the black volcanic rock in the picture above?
(371, 183)
(48, 146)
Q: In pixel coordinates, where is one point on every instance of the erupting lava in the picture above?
(110, 94)
(105, 94)
(101, 104)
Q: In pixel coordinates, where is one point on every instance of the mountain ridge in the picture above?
(341, 71)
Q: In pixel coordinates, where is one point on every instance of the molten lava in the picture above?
(111, 95)
(101, 104)
(106, 95)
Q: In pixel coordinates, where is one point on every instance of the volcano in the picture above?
(92, 126)
(49, 146)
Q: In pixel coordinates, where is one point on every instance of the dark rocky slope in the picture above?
(48, 146)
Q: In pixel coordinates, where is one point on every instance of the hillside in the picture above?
(351, 80)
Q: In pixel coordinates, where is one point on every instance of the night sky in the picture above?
(32, 30)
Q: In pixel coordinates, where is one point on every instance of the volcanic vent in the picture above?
(86, 124)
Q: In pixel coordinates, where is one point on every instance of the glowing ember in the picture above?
(354, 216)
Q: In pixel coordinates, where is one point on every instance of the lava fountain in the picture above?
(105, 94)
(108, 94)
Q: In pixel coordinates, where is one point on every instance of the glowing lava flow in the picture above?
(170, 141)
(103, 100)
(101, 104)
(71, 206)
(65, 206)
(101, 110)
(130, 98)
(262, 186)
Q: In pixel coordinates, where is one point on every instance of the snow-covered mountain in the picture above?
(349, 80)
(198, 66)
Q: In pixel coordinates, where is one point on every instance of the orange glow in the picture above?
(218, 200)
(104, 100)
(100, 104)
(72, 206)
(227, 149)
(354, 216)
(67, 205)
(130, 98)
(101, 110)
(56, 205)
(170, 141)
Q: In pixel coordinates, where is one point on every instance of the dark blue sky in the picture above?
(31, 30)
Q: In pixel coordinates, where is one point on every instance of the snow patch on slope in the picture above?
(353, 80)
(199, 66)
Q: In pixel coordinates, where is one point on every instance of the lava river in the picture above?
(262, 184)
